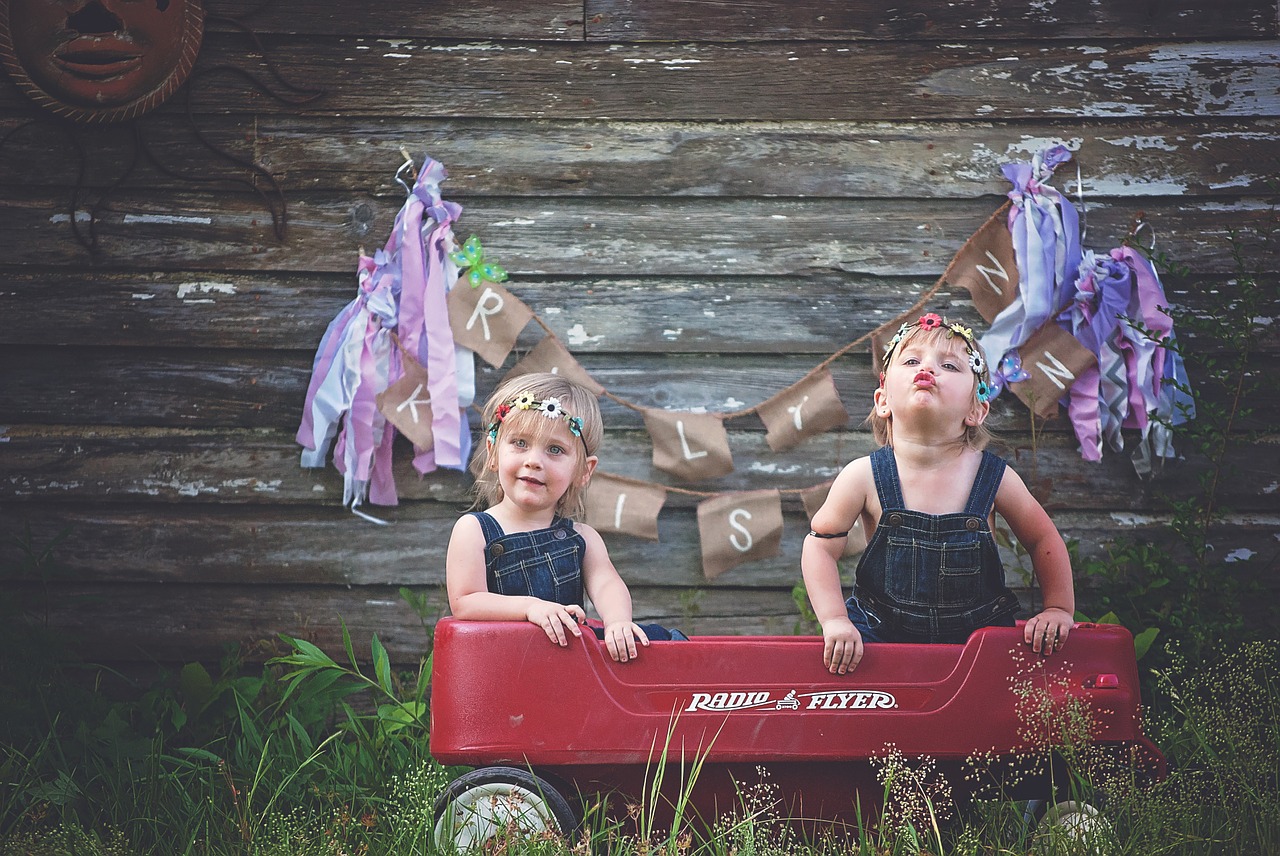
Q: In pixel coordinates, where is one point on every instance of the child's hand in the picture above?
(1046, 632)
(554, 619)
(620, 638)
(841, 645)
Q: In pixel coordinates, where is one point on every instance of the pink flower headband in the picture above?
(933, 321)
(549, 407)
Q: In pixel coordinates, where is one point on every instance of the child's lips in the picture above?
(924, 380)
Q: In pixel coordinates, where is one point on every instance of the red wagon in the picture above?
(546, 727)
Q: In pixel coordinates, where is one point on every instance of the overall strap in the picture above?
(985, 485)
(492, 530)
(884, 467)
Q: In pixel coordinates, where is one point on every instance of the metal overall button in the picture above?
(895, 519)
(972, 524)
(497, 550)
(560, 535)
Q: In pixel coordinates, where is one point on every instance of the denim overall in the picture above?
(544, 563)
(927, 577)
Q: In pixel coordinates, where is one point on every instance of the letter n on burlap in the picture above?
(987, 267)
(1054, 359)
(623, 506)
(689, 446)
(487, 319)
(808, 407)
(739, 527)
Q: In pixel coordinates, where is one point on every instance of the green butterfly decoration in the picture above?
(472, 256)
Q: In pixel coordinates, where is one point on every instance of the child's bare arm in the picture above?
(842, 646)
(1031, 525)
(612, 599)
(470, 598)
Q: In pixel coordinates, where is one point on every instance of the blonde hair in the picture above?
(976, 437)
(575, 400)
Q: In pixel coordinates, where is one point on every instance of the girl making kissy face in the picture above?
(926, 501)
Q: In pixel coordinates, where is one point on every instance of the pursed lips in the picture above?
(924, 380)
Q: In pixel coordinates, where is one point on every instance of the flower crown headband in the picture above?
(933, 321)
(549, 407)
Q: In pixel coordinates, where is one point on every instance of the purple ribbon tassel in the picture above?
(402, 289)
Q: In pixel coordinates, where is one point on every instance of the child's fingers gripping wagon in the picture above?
(547, 727)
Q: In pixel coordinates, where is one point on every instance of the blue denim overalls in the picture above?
(544, 563)
(926, 577)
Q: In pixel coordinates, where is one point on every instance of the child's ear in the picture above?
(978, 414)
(881, 403)
(592, 460)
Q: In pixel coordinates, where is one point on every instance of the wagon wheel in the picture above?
(1078, 823)
(492, 803)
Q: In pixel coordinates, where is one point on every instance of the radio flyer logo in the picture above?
(727, 702)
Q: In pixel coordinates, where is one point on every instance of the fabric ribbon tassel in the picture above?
(1045, 230)
(1140, 382)
(401, 295)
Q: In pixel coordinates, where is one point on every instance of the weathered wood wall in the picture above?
(702, 199)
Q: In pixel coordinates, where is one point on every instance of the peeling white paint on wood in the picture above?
(577, 335)
(167, 219)
(187, 288)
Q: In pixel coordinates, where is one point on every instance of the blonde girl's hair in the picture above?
(931, 328)
(519, 402)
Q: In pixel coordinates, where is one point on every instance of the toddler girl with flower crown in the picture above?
(926, 501)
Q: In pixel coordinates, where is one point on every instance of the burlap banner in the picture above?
(1054, 359)
(407, 405)
(739, 527)
(625, 507)
(551, 356)
(689, 446)
(487, 319)
(987, 267)
(802, 410)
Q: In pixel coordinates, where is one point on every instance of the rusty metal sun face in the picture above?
(100, 60)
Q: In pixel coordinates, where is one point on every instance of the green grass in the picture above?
(308, 755)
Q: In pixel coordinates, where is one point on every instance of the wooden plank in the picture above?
(1119, 159)
(187, 622)
(64, 464)
(720, 20)
(328, 546)
(279, 312)
(590, 237)
(400, 19)
(735, 20)
(807, 81)
(178, 623)
(261, 389)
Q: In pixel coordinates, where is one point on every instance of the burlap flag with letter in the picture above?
(623, 506)
(551, 356)
(987, 268)
(689, 446)
(407, 405)
(1054, 359)
(802, 410)
(487, 319)
(739, 527)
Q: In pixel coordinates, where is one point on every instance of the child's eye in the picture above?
(518, 442)
(951, 366)
(556, 450)
(910, 361)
